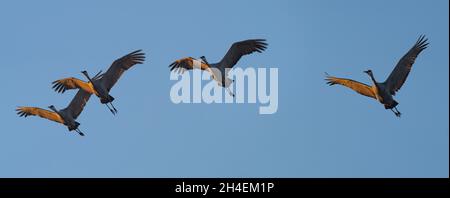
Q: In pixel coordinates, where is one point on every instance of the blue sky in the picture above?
(318, 131)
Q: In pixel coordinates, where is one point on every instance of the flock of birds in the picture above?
(102, 83)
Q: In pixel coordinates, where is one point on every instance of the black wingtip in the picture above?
(259, 40)
(328, 78)
(422, 39)
(422, 42)
(329, 82)
(136, 51)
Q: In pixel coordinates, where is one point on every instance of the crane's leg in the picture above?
(79, 132)
(114, 108)
(229, 92)
(110, 109)
(396, 112)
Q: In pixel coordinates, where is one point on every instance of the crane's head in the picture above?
(368, 72)
(84, 72)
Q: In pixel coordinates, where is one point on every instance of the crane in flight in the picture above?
(66, 116)
(101, 84)
(384, 91)
(219, 71)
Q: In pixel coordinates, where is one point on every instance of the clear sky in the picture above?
(318, 131)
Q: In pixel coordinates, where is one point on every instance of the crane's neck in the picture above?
(96, 87)
(54, 109)
(373, 79)
(90, 80)
(87, 76)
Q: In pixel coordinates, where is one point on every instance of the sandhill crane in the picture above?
(384, 91)
(102, 84)
(219, 70)
(65, 116)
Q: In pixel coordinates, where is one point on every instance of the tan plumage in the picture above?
(181, 65)
(361, 88)
(64, 84)
(35, 111)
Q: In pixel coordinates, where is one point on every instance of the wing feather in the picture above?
(34, 111)
(119, 66)
(398, 76)
(361, 88)
(181, 65)
(239, 49)
(62, 85)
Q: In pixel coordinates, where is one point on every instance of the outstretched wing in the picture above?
(239, 49)
(361, 88)
(62, 85)
(398, 76)
(34, 111)
(181, 65)
(77, 104)
(119, 66)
